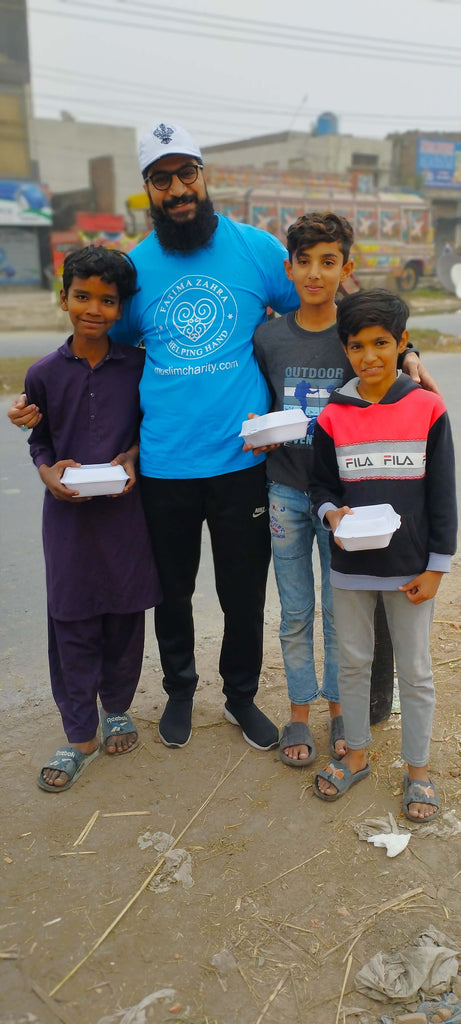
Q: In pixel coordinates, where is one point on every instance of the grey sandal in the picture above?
(295, 734)
(416, 792)
(336, 732)
(340, 776)
(68, 760)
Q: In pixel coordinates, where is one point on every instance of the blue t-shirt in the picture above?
(197, 314)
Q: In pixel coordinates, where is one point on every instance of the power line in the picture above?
(210, 18)
(186, 99)
(278, 26)
(144, 104)
(331, 47)
(181, 95)
(101, 118)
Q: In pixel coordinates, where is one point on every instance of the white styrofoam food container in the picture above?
(90, 481)
(275, 428)
(371, 526)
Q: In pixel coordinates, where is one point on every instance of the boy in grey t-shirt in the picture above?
(302, 359)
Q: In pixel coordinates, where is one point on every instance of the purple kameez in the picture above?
(98, 553)
(100, 571)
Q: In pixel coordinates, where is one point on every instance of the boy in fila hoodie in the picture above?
(383, 439)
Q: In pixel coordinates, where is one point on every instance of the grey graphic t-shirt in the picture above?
(302, 368)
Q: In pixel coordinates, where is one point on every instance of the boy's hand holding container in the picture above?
(51, 476)
(128, 461)
(334, 517)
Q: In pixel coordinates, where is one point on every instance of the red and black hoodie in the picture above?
(400, 451)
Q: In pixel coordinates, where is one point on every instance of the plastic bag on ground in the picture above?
(446, 827)
(427, 966)
(177, 867)
(140, 1014)
(373, 826)
(392, 844)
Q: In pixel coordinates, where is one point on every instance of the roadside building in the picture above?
(25, 212)
(94, 163)
(431, 163)
(52, 170)
(365, 162)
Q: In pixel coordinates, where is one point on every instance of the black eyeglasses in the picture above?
(186, 174)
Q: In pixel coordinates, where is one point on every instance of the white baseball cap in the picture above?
(163, 140)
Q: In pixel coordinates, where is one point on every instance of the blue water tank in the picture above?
(326, 124)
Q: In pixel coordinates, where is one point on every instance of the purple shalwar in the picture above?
(100, 571)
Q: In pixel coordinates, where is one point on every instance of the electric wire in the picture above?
(185, 97)
(260, 27)
(397, 52)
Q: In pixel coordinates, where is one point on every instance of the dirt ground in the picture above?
(280, 880)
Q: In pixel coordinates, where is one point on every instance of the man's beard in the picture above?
(189, 235)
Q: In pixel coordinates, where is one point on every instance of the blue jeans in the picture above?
(293, 530)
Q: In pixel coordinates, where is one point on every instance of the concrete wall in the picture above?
(299, 151)
(63, 148)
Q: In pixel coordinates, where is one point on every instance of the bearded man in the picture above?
(205, 283)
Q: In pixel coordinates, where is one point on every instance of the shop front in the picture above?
(25, 222)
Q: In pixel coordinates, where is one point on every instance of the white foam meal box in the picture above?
(275, 428)
(93, 480)
(371, 526)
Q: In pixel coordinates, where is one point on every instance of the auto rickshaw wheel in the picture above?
(409, 277)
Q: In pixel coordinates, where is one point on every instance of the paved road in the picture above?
(447, 323)
(24, 674)
(25, 343)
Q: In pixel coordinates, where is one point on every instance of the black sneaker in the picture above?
(257, 728)
(174, 727)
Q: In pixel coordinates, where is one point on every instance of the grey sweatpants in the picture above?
(409, 626)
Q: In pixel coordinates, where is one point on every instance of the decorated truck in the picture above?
(393, 230)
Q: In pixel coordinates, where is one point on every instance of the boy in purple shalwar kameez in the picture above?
(100, 573)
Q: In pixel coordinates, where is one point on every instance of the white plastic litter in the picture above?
(139, 1014)
(161, 841)
(446, 827)
(428, 965)
(28, 1018)
(376, 826)
(177, 866)
(392, 844)
(224, 961)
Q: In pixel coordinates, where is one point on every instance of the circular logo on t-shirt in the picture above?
(195, 317)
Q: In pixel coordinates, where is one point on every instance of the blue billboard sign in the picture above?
(19, 256)
(24, 203)
(439, 163)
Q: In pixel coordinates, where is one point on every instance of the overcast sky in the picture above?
(231, 71)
